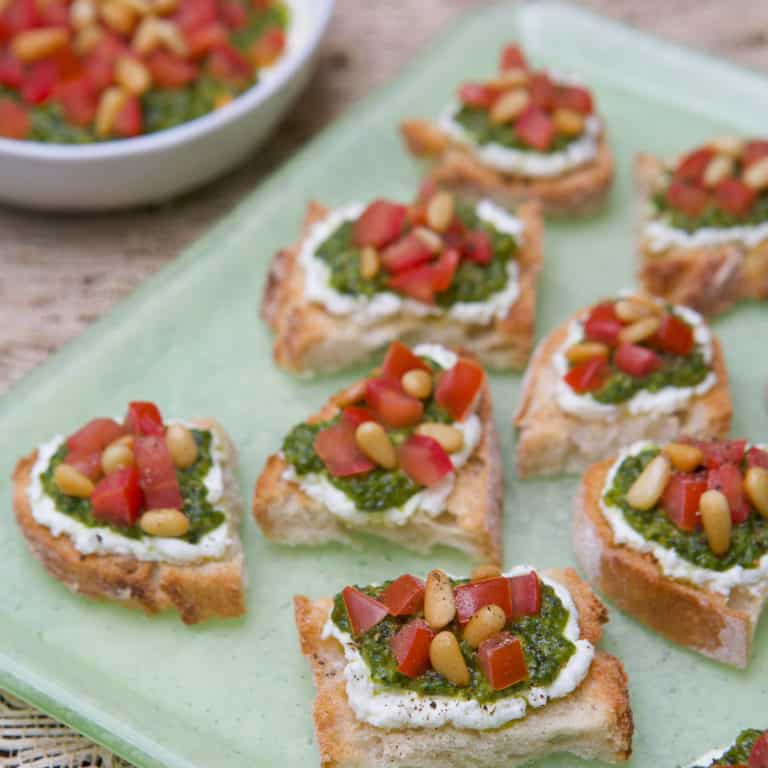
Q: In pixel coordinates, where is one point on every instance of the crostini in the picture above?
(522, 135)
(409, 454)
(750, 750)
(703, 237)
(677, 536)
(145, 512)
(623, 369)
(497, 670)
(440, 270)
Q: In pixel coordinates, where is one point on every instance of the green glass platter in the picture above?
(236, 693)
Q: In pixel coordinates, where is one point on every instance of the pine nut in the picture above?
(450, 438)
(440, 211)
(140, 7)
(639, 330)
(181, 445)
(447, 660)
(568, 122)
(718, 168)
(486, 571)
(372, 439)
(728, 145)
(653, 306)
(489, 620)
(118, 16)
(650, 484)
(684, 458)
(88, 38)
(166, 523)
(132, 75)
(354, 393)
(439, 602)
(716, 519)
(36, 44)
(756, 175)
(586, 350)
(509, 106)
(431, 239)
(417, 383)
(124, 440)
(72, 482)
(756, 488)
(153, 33)
(116, 456)
(111, 102)
(369, 263)
(630, 310)
(509, 78)
(82, 13)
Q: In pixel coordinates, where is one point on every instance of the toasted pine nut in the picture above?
(450, 438)
(509, 106)
(72, 482)
(447, 660)
(116, 456)
(439, 602)
(630, 310)
(509, 78)
(586, 350)
(88, 38)
(486, 571)
(756, 488)
(181, 445)
(486, 622)
(82, 13)
(684, 457)
(568, 122)
(111, 102)
(716, 519)
(650, 484)
(163, 32)
(118, 16)
(166, 523)
(140, 7)
(369, 263)
(651, 304)
(440, 211)
(372, 439)
(132, 75)
(354, 393)
(35, 44)
(431, 239)
(639, 330)
(718, 168)
(756, 175)
(728, 145)
(417, 383)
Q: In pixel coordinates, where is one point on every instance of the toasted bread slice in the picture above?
(580, 191)
(309, 339)
(709, 278)
(717, 626)
(470, 521)
(551, 441)
(595, 721)
(198, 591)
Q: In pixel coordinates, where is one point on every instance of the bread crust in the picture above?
(471, 520)
(198, 591)
(594, 722)
(551, 441)
(709, 278)
(716, 626)
(309, 339)
(581, 191)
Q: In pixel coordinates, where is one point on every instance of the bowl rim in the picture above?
(283, 71)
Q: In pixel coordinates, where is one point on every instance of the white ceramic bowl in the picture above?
(158, 166)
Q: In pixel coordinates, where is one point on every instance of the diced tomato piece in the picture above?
(11, 70)
(459, 387)
(674, 335)
(418, 283)
(542, 92)
(21, 15)
(587, 376)
(476, 95)
(735, 197)
(407, 252)
(410, 647)
(95, 436)
(39, 81)
(353, 416)
(364, 611)
(69, 66)
(157, 473)
(756, 457)
(404, 596)
(512, 58)
(754, 151)
(681, 497)
(169, 70)
(193, 14)
(758, 757)
(603, 324)
(399, 360)
(687, 198)
(379, 224)
(54, 13)
(691, 168)
(535, 128)
(719, 452)
(470, 598)
(202, 40)
(424, 460)
(128, 120)
(87, 463)
(14, 120)
(99, 64)
(636, 360)
(502, 660)
(576, 98)
(391, 404)
(143, 418)
(267, 48)
(235, 14)
(78, 101)
(477, 247)
(727, 479)
(226, 63)
(338, 449)
(526, 595)
(117, 498)
(444, 269)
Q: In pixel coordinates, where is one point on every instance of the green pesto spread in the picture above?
(471, 282)
(738, 754)
(545, 647)
(749, 540)
(203, 518)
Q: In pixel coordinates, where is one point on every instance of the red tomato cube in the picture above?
(754, 151)
(78, 101)
(226, 63)
(407, 252)
(459, 388)
(364, 612)
(603, 324)
(39, 81)
(128, 121)
(11, 70)
(477, 247)
(169, 70)
(674, 335)
(692, 166)
(424, 460)
(728, 480)
(338, 449)
(680, 500)
(418, 283)
(512, 58)
(576, 98)
(203, 40)
(758, 757)
(444, 269)
(410, 647)
(757, 457)
(636, 360)
(470, 598)
(192, 14)
(391, 404)
(399, 360)
(117, 498)
(379, 224)
(735, 197)
(21, 15)
(354, 415)
(535, 128)
(526, 595)
(87, 463)
(719, 452)
(157, 473)
(404, 596)
(476, 95)
(234, 14)
(542, 92)
(266, 49)
(96, 435)
(687, 198)
(502, 660)
(143, 418)
(588, 376)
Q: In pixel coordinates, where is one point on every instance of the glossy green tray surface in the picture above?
(238, 693)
